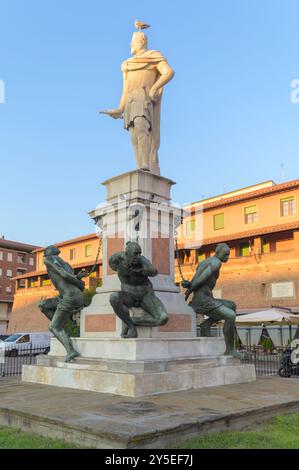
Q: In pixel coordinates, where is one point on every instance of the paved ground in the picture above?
(108, 421)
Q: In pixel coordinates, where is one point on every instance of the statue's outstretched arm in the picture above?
(55, 266)
(118, 112)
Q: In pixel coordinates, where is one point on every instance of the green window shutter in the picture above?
(244, 250)
(287, 199)
(218, 220)
(265, 247)
(190, 227)
(87, 250)
(250, 210)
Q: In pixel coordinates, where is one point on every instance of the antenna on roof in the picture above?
(282, 177)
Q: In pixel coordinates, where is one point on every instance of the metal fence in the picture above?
(269, 360)
(12, 359)
(279, 361)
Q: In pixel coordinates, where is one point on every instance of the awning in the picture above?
(272, 316)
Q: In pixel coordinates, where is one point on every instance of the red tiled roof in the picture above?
(19, 246)
(247, 234)
(278, 188)
(44, 272)
(73, 240)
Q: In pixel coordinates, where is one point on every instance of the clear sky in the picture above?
(227, 117)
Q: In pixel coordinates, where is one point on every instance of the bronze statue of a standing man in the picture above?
(70, 300)
(144, 76)
(203, 302)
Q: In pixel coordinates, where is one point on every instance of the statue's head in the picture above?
(222, 252)
(51, 251)
(138, 43)
(133, 252)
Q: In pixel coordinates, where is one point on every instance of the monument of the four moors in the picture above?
(138, 336)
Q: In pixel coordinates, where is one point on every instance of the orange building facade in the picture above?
(31, 288)
(261, 225)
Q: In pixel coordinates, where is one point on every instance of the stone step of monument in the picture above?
(86, 377)
(142, 349)
(137, 367)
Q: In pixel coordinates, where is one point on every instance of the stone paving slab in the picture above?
(107, 421)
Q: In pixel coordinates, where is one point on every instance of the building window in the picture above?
(31, 261)
(21, 283)
(46, 282)
(9, 257)
(190, 228)
(0, 271)
(250, 215)
(9, 273)
(268, 246)
(218, 221)
(287, 206)
(265, 247)
(73, 253)
(244, 249)
(87, 250)
(1, 255)
(21, 259)
(8, 290)
(200, 256)
(20, 272)
(33, 282)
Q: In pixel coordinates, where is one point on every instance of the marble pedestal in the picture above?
(138, 207)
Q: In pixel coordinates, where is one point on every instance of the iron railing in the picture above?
(268, 363)
(12, 358)
(269, 360)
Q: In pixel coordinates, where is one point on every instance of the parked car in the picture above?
(3, 337)
(26, 343)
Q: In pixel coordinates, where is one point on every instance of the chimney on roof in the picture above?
(2, 237)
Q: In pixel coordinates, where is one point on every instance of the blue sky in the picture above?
(227, 117)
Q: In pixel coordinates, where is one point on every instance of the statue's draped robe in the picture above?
(141, 73)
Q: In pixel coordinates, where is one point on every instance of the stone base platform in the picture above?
(136, 368)
(106, 421)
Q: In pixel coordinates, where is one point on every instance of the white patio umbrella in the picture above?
(274, 316)
(271, 316)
